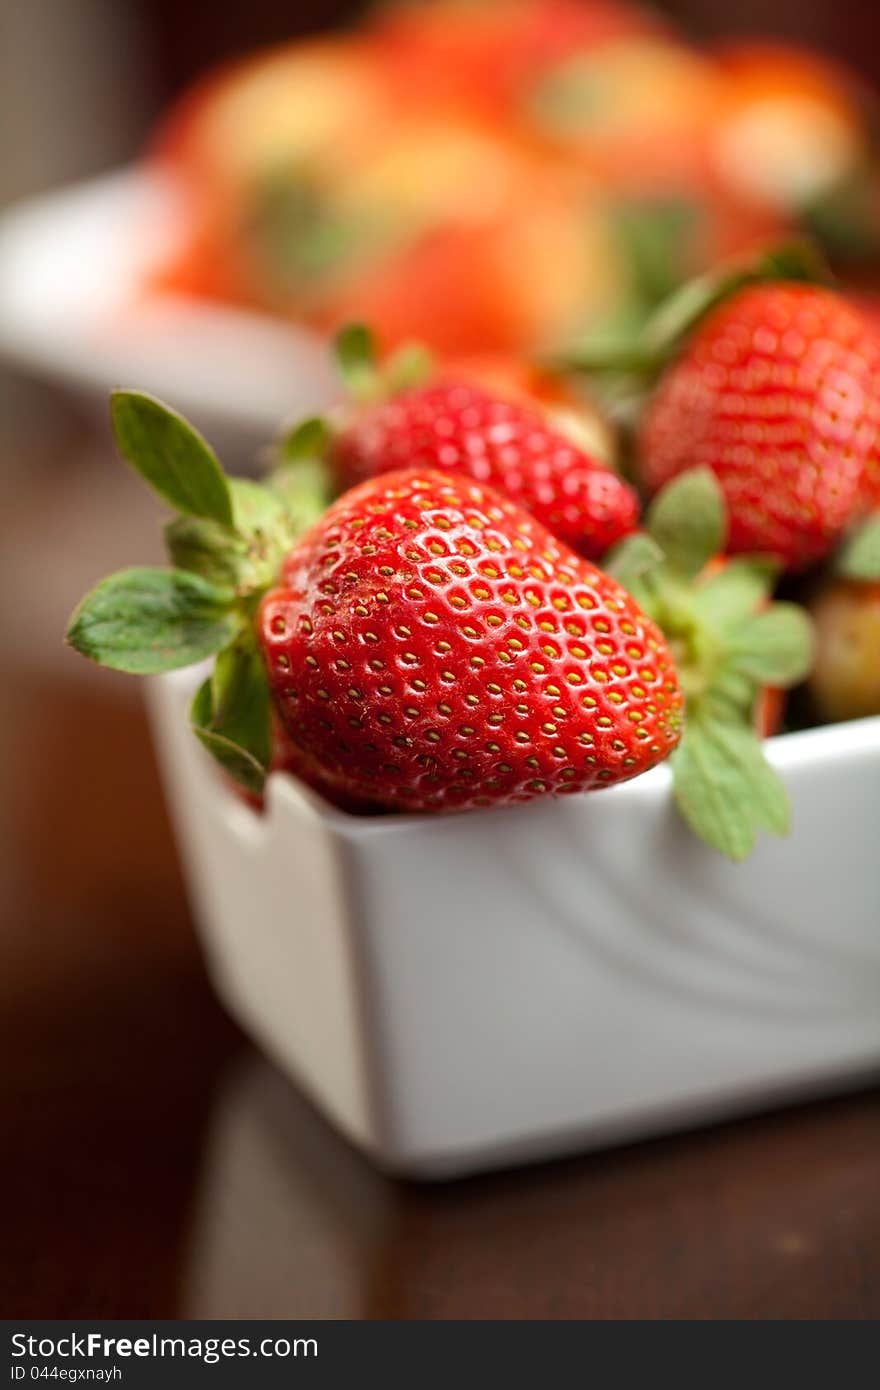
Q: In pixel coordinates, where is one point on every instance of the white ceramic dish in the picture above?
(468, 991)
(72, 269)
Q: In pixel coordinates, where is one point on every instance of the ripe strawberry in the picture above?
(432, 647)
(426, 644)
(462, 428)
(769, 711)
(563, 402)
(778, 393)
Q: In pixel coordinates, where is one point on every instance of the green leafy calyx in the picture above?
(729, 642)
(149, 620)
(625, 363)
(171, 456)
(365, 380)
(688, 521)
(226, 544)
(859, 556)
(230, 713)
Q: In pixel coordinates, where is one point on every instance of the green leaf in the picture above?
(844, 218)
(309, 439)
(411, 365)
(230, 714)
(725, 788)
(730, 695)
(632, 558)
(355, 353)
(204, 548)
(640, 355)
(255, 507)
(735, 591)
(150, 620)
(655, 237)
(171, 456)
(774, 647)
(859, 557)
(246, 559)
(688, 520)
(680, 314)
(305, 490)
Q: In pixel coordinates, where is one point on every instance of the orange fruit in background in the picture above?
(303, 112)
(542, 269)
(468, 171)
(845, 680)
(322, 101)
(633, 109)
(790, 125)
(478, 53)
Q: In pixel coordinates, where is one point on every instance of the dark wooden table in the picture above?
(152, 1165)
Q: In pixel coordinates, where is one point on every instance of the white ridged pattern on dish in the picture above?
(461, 992)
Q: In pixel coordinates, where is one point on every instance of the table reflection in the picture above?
(290, 1222)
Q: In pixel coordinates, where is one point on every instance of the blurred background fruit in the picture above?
(505, 175)
(845, 682)
(794, 134)
(468, 52)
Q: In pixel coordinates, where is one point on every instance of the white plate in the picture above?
(72, 269)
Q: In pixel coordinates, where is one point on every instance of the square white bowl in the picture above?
(461, 992)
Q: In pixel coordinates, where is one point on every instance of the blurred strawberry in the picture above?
(403, 414)
(477, 54)
(778, 392)
(845, 680)
(633, 109)
(539, 271)
(769, 711)
(563, 401)
(293, 121)
(319, 101)
(789, 129)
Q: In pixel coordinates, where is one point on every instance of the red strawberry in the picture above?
(429, 645)
(433, 647)
(462, 428)
(778, 393)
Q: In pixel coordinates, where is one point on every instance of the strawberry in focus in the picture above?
(423, 643)
(433, 647)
